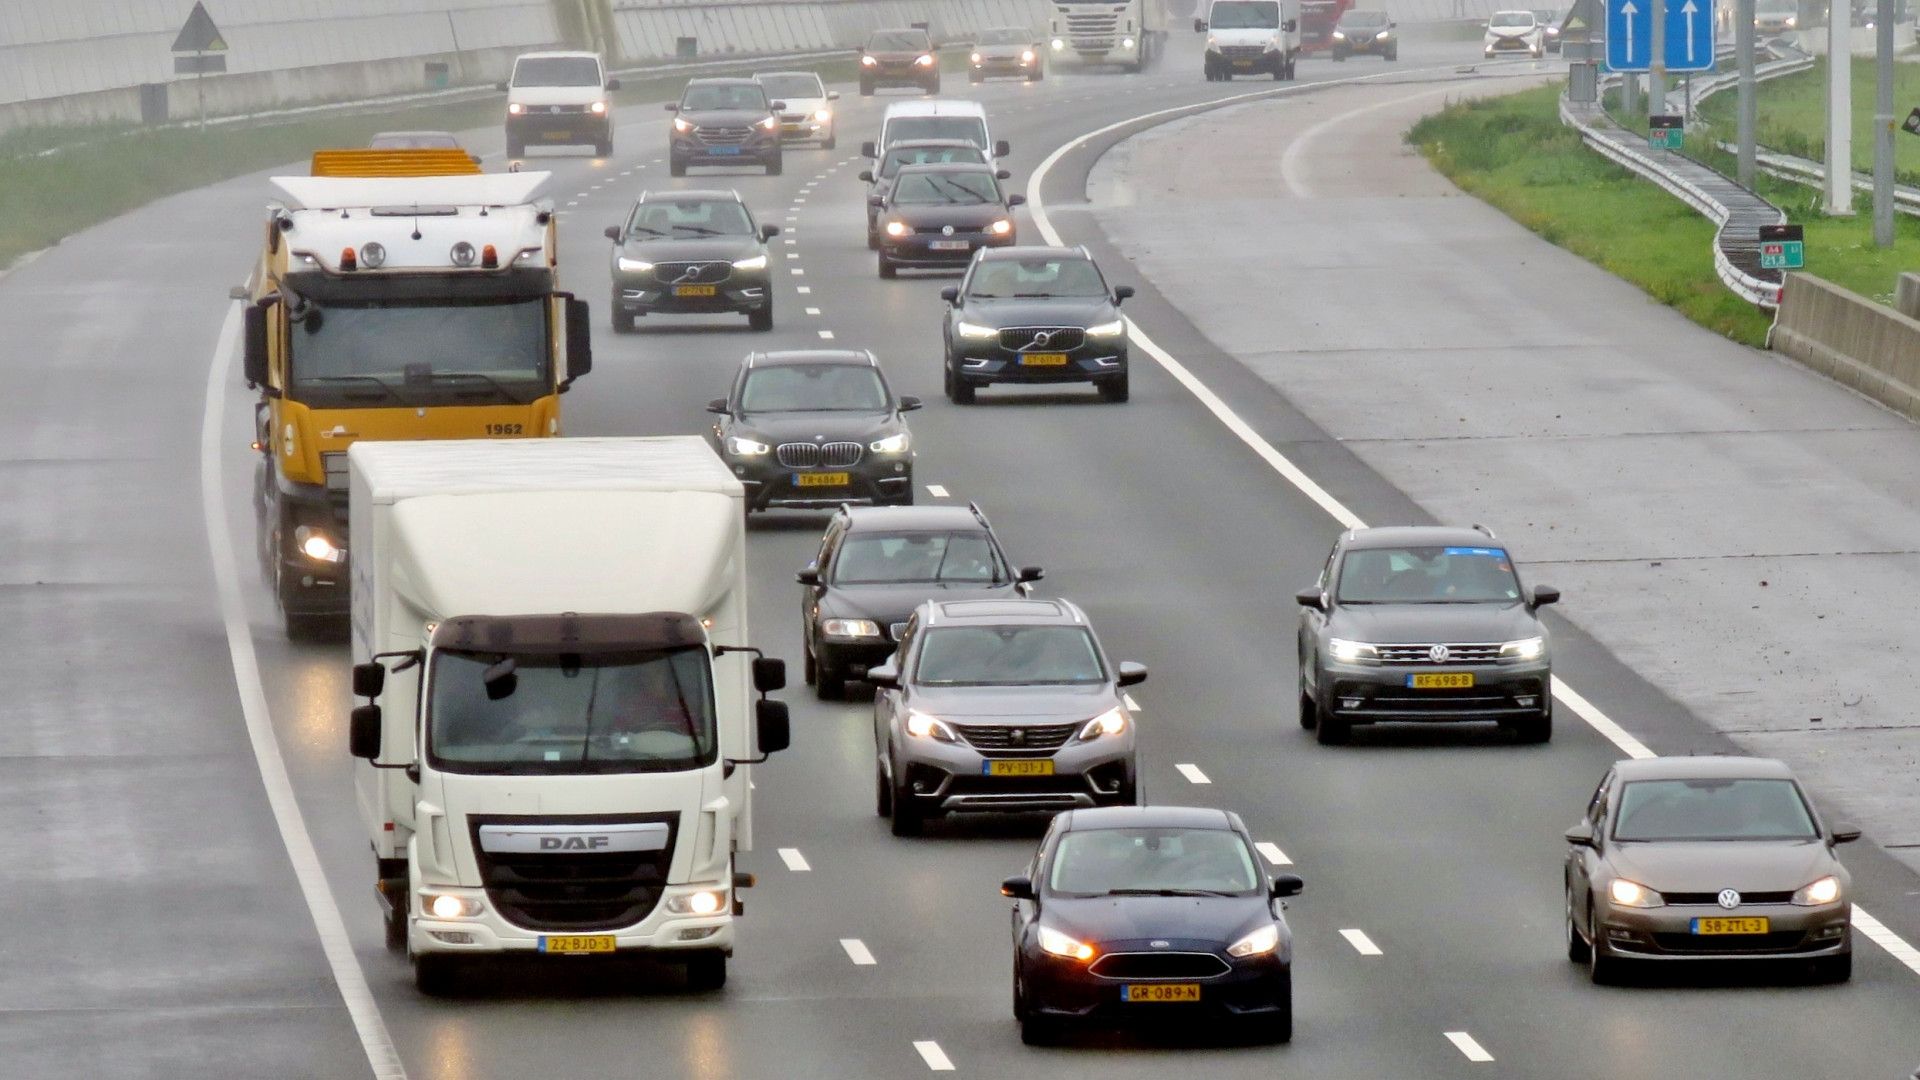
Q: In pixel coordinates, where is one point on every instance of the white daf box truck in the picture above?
(562, 704)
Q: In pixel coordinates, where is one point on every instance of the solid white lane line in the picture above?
(1192, 773)
(795, 861)
(936, 491)
(1131, 704)
(1467, 1045)
(1901, 949)
(375, 1041)
(857, 951)
(935, 1057)
(826, 335)
(1361, 943)
(1273, 854)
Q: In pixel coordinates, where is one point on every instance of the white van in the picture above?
(936, 118)
(1250, 37)
(559, 99)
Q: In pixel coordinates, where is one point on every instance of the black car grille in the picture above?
(1441, 702)
(692, 273)
(551, 109)
(1456, 653)
(1779, 941)
(573, 892)
(833, 455)
(1029, 338)
(1701, 899)
(1042, 738)
(1159, 965)
(941, 230)
(1243, 52)
(724, 136)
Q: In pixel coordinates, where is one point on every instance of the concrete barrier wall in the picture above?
(1847, 337)
(650, 29)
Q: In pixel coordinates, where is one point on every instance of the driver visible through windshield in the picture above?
(918, 558)
(1428, 575)
(688, 218)
(739, 97)
(1006, 278)
(1103, 862)
(407, 354)
(1008, 656)
(813, 388)
(958, 188)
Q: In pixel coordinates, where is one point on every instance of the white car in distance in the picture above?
(1514, 31)
(808, 116)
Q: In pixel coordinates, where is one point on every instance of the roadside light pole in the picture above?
(1840, 109)
(1883, 126)
(1743, 50)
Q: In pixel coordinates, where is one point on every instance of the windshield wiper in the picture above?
(385, 389)
(1167, 892)
(648, 231)
(702, 230)
(483, 377)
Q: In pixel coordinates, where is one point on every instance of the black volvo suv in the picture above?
(1034, 315)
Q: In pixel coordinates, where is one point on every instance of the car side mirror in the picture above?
(951, 294)
(885, 675)
(673, 106)
(1121, 292)
(1002, 148)
(1312, 598)
(1131, 674)
(1287, 885)
(1843, 833)
(896, 630)
(769, 674)
(808, 576)
(1289, 26)
(833, 95)
(363, 732)
(1391, 25)
(875, 200)
(866, 175)
(613, 84)
(613, 233)
(579, 341)
(254, 362)
(718, 406)
(369, 679)
(909, 403)
(1002, 174)
(1029, 574)
(773, 726)
(1581, 835)
(1017, 888)
(1016, 200)
(1199, 26)
(768, 232)
(776, 106)
(1544, 595)
(501, 85)
(867, 149)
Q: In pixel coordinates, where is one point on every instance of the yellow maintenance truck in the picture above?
(399, 296)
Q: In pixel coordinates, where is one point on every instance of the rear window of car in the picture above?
(898, 41)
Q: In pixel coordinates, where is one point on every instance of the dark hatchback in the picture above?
(690, 253)
(880, 179)
(1130, 915)
(1372, 33)
(1026, 315)
(936, 216)
(876, 565)
(813, 429)
(899, 58)
(724, 122)
(1423, 623)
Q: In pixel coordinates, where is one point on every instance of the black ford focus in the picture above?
(1128, 914)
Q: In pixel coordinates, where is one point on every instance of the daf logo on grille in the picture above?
(946, 230)
(1729, 899)
(1438, 654)
(1161, 944)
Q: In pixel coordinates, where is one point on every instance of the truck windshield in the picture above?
(1244, 15)
(648, 711)
(373, 353)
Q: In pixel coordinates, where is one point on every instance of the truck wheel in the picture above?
(1291, 62)
(706, 972)
(603, 148)
(516, 148)
(1036, 75)
(435, 975)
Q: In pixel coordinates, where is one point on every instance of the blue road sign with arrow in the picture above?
(1689, 35)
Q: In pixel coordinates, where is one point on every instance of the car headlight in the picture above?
(448, 906)
(1633, 894)
(1055, 943)
(922, 726)
(896, 443)
(1273, 44)
(682, 125)
(1027, 57)
(1259, 943)
(634, 266)
(1382, 36)
(924, 60)
(897, 228)
(1111, 722)
(741, 446)
(823, 115)
(1001, 227)
(850, 628)
(868, 61)
(1792, 20)
(1108, 329)
(1339, 36)
(1532, 648)
(753, 262)
(1349, 652)
(1824, 891)
(514, 108)
(1056, 44)
(974, 330)
(317, 545)
(1211, 42)
(705, 902)
(598, 108)
(771, 123)
(975, 58)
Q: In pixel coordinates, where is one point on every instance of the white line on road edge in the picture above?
(1361, 943)
(1131, 704)
(1192, 773)
(795, 861)
(935, 1057)
(1467, 1045)
(347, 975)
(936, 491)
(857, 951)
(1875, 930)
(1290, 161)
(1273, 853)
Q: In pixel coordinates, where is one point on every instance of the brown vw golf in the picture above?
(1716, 858)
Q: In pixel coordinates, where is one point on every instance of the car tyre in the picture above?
(906, 820)
(975, 78)
(1535, 729)
(962, 391)
(887, 269)
(1329, 729)
(1113, 390)
(1309, 712)
(1602, 970)
(706, 972)
(829, 142)
(882, 792)
(1036, 75)
(622, 322)
(604, 148)
(676, 167)
(1578, 951)
(1393, 54)
(829, 682)
(1280, 1028)
(1039, 1031)
(866, 88)
(761, 319)
(775, 164)
(873, 240)
(1833, 969)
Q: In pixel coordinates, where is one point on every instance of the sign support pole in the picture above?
(1840, 110)
(1743, 52)
(200, 83)
(1883, 126)
(1657, 60)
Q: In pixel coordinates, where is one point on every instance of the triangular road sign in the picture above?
(199, 35)
(1581, 19)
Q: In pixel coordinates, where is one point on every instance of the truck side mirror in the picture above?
(868, 149)
(369, 679)
(363, 732)
(1002, 174)
(1199, 26)
(1287, 885)
(1131, 674)
(769, 674)
(1289, 26)
(1017, 888)
(254, 364)
(1002, 148)
(773, 729)
(579, 341)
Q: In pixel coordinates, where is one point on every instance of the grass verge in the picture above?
(1792, 115)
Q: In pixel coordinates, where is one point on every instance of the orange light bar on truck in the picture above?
(416, 161)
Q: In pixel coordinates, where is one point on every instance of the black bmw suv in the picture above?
(690, 253)
(1034, 315)
(815, 429)
(724, 122)
(876, 565)
(1423, 623)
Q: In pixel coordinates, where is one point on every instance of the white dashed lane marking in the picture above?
(797, 272)
(1273, 854)
(801, 289)
(1361, 943)
(813, 311)
(935, 1057)
(1192, 773)
(795, 861)
(857, 951)
(826, 335)
(936, 491)
(1473, 1050)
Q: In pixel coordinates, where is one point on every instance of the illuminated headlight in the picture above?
(318, 546)
(1212, 42)
(975, 58)
(1383, 35)
(1339, 35)
(1111, 722)
(850, 628)
(922, 726)
(1532, 648)
(706, 902)
(974, 330)
(1056, 44)
(1055, 943)
(823, 115)
(1002, 227)
(1792, 20)
(1027, 57)
(868, 61)
(924, 60)
(1273, 44)
(1824, 891)
(1259, 943)
(740, 446)
(373, 255)
(634, 266)
(892, 444)
(755, 262)
(448, 906)
(1108, 329)
(1350, 652)
(1633, 894)
(1126, 43)
(1552, 31)
(598, 108)
(897, 228)
(682, 125)
(771, 123)
(514, 108)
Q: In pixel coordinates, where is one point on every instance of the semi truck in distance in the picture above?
(1130, 33)
(563, 706)
(400, 294)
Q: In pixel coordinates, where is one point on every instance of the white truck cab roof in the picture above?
(417, 223)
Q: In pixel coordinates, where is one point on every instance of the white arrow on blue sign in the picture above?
(1689, 35)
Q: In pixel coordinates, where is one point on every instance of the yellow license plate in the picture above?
(693, 290)
(1752, 924)
(556, 136)
(1042, 767)
(1044, 359)
(1159, 993)
(576, 944)
(820, 479)
(1442, 680)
